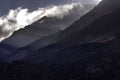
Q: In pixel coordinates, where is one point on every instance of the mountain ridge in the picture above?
(98, 58)
(90, 17)
(102, 27)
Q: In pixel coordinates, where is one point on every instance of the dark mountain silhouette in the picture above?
(96, 61)
(103, 28)
(89, 49)
(41, 28)
(104, 8)
(89, 53)
(108, 24)
(44, 27)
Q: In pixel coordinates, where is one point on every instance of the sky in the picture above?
(5, 5)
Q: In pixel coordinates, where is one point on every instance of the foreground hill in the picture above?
(96, 61)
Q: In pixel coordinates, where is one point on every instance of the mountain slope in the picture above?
(27, 35)
(103, 29)
(44, 27)
(96, 61)
(71, 61)
(40, 43)
(104, 8)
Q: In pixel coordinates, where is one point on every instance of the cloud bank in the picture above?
(19, 18)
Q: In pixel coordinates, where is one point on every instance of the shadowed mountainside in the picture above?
(42, 28)
(104, 8)
(96, 61)
(89, 49)
(103, 29)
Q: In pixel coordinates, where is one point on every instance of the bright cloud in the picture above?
(19, 18)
